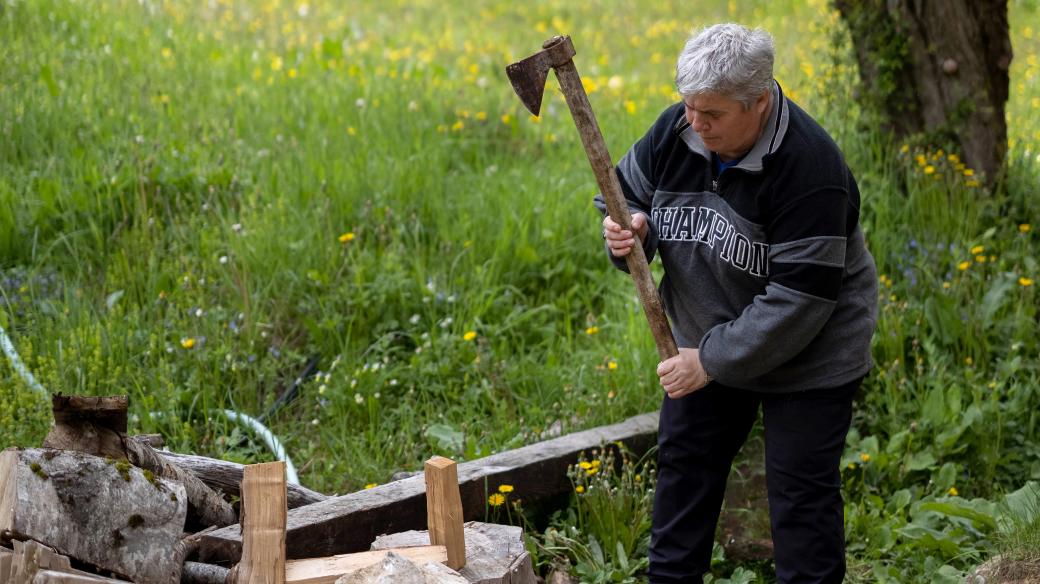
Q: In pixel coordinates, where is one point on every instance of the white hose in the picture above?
(265, 434)
(16, 362)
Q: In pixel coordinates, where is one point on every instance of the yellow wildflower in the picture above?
(977, 250)
(630, 106)
(496, 499)
(946, 285)
(346, 237)
(969, 172)
(904, 149)
(929, 169)
(1024, 228)
(1023, 281)
(371, 485)
(852, 466)
(592, 330)
(864, 457)
(187, 342)
(981, 259)
(971, 183)
(506, 118)
(469, 336)
(612, 365)
(579, 489)
(952, 492)
(968, 360)
(963, 266)
(585, 464)
(481, 116)
(505, 488)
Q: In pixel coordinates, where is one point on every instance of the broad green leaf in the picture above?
(995, 298)
(920, 461)
(981, 520)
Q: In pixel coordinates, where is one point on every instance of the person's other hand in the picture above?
(620, 241)
(683, 374)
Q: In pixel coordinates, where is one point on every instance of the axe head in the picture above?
(528, 75)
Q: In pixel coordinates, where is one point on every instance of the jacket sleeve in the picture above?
(807, 239)
(636, 171)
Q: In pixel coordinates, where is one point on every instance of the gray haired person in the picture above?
(772, 295)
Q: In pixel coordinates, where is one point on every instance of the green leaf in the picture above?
(982, 521)
(113, 298)
(995, 298)
(947, 574)
(920, 461)
(445, 437)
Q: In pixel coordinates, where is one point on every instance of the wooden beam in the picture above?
(350, 523)
(444, 509)
(263, 525)
(328, 570)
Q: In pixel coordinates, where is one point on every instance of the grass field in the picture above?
(200, 198)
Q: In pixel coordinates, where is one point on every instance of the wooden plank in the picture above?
(350, 523)
(226, 477)
(328, 570)
(98, 511)
(444, 509)
(263, 525)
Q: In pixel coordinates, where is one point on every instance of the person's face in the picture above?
(724, 125)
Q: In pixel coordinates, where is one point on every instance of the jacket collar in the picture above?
(768, 142)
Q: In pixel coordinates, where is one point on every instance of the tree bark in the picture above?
(937, 68)
(226, 476)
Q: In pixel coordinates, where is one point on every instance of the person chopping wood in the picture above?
(772, 297)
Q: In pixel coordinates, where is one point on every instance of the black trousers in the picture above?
(700, 434)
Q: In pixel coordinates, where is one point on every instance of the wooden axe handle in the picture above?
(617, 207)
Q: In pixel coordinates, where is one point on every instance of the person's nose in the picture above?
(698, 121)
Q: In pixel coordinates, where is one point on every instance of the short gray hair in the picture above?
(728, 60)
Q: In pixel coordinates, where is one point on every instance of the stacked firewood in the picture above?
(96, 505)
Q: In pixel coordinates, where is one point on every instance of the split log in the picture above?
(495, 554)
(198, 573)
(263, 525)
(226, 476)
(102, 512)
(351, 522)
(328, 570)
(97, 425)
(444, 509)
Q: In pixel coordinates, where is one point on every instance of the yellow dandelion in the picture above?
(1026, 282)
(612, 365)
(946, 285)
(980, 259)
(1024, 228)
(481, 116)
(371, 485)
(187, 342)
(496, 499)
(921, 160)
(952, 492)
(953, 158)
(469, 336)
(638, 478)
(929, 169)
(351, 131)
(596, 462)
(852, 466)
(293, 73)
(630, 106)
(167, 52)
(864, 457)
(506, 119)
(505, 488)
(579, 489)
(458, 125)
(276, 64)
(977, 249)
(968, 360)
(963, 266)
(585, 465)
(969, 172)
(346, 237)
(971, 183)
(592, 330)
(904, 149)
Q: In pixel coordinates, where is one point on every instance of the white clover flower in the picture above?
(360, 399)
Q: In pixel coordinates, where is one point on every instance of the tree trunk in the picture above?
(937, 68)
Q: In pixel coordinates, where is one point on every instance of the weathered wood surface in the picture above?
(444, 509)
(226, 476)
(88, 424)
(31, 562)
(97, 425)
(401, 570)
(350, 523)
(328, 570)
(98, 511)
(205, 506)
(263, 525)
(198, 573)
(495, 554)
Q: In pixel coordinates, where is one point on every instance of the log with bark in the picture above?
(100, 511)
(97, 425)
(226, 477)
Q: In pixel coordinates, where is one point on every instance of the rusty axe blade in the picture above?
(528, 75)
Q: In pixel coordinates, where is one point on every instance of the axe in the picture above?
(528, 77)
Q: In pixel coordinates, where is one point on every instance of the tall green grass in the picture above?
(197, 199)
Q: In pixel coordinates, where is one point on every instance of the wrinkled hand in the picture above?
(620, 240)
(683, 374)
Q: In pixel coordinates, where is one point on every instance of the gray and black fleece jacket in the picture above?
(766, 271)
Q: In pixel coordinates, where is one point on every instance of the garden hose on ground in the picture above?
(259, 429)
